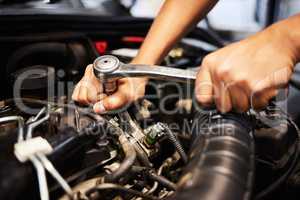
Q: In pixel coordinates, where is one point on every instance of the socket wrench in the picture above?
(108, 69)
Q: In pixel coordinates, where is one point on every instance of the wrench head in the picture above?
(104, 65)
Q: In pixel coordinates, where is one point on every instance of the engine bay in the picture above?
(161, 147)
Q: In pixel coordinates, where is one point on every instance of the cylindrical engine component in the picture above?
(34, 81)
(18, 180)
(222, 163)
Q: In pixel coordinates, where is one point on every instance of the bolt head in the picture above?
(105, 64)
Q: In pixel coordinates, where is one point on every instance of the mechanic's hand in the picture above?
(247, 73)
(89, 91)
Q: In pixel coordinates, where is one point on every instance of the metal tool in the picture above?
(108, 69)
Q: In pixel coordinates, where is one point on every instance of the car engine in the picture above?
(164, 146)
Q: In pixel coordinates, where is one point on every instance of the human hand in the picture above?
(89, 91)
(247, 73)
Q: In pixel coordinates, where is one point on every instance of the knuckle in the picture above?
(78, 99)
(89, 68)
(239, 79)
(204, 99)
(88, 86)
(74, 98)
(209, 60)
(257, 90)
(77, 86)
(82, 99)
(223, 72)
(92, 98)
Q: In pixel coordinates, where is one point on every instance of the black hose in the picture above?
(130, 157)
(163, 181)
(18, 180)
(222, 160)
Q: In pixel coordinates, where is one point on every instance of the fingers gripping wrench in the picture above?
(108, 69)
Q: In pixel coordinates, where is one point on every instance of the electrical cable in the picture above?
(41, 162)
(172, 137)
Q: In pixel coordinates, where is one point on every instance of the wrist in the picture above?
(143, 60)
(295, 46)
(289, 36)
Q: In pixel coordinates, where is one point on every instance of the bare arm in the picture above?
(174, 20)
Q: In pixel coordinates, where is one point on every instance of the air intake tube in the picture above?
(222, 159)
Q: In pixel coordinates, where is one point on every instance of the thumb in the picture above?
(112, 102)
(204, 87)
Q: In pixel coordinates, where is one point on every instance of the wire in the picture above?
(110, 186)
(51, 169)
(37, 116)
(42, 180)
(33, 125)
(77, 119)
(40, 161)
(172, 137)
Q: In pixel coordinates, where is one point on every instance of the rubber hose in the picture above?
(130, 157)
(222, 164)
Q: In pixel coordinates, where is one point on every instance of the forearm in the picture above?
(174, 20)
(288, 31)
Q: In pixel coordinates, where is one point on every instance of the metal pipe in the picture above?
(20, 121)
(33, 125)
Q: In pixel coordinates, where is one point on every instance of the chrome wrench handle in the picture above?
(108, 69)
